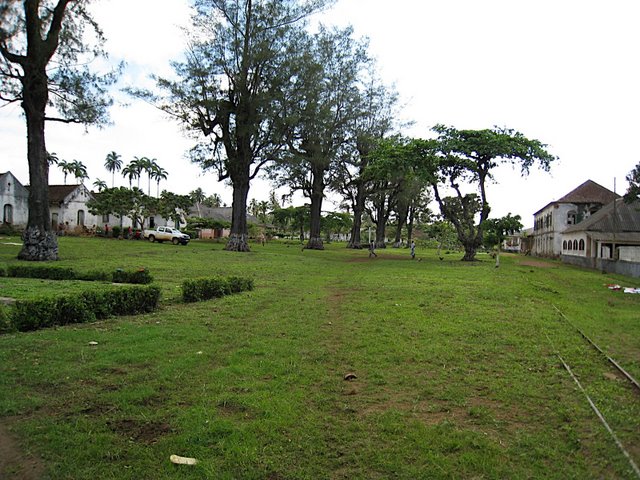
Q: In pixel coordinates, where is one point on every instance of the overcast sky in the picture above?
(562, 71)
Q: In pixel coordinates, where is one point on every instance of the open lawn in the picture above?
(456, 370)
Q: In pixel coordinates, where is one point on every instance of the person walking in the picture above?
(372, 249)
(413, 250)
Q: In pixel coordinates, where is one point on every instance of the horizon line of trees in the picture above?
(261, 94)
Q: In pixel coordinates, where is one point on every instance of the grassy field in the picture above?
(456, 366)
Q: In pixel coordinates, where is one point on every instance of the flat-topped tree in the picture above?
(44, 66)
(228, 94)
(469, 157)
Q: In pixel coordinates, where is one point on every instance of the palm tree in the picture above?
(197, 196)
(131, 171)
(78, 170)
(137, 165)
(66, 168)
(213, 200)
(52, 158)
(158, 174)
(100, 184)
(113, 164)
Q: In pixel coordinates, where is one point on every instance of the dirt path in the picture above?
(13, 463)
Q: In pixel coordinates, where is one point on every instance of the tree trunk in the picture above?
(402, 220)
(239, 237)
(410, 225)
(469, 252)
(317, 193)
(39, 241)
(354, 239)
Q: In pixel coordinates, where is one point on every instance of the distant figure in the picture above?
(372, 249)
(413, 250)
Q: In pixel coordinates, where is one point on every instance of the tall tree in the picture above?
(78, 170)
(228, 91)
(496, 231)
(158, 173)
(44, 59)
(633, 191)
(113, 164)
(100, 184)
(376, 119)
(197, 196)
(319, 105)
(469, 157)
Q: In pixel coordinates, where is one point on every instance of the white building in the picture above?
(571, 209)
(14, 200)
(608, 240)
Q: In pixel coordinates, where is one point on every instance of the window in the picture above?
(7, 216)
(105, 218)
(80, 217)
(564, 245)
(575, 244)
(152, 222)
(581, 245)
(572, 217)
(569, 245)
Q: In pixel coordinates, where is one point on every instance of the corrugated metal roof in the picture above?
(626, 219)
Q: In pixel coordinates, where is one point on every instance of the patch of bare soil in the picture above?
(13, 462)
(145, 432)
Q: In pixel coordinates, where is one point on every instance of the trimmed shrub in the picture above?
(94, 276)
(140, 276)
(240, 284)
(29, 315)
(6, 325)
(115, 231)
(48, 272)
(200, 289)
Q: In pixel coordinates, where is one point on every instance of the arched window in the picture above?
(581, 245)
(80, 217)
(575, 244)
(564, 245)
(7, 216)
(569, 245)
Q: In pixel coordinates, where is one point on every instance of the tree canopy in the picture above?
(228, 94)
(45, 59)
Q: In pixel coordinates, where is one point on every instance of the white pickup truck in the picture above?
(161, 234)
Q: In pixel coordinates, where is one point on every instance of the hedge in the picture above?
(50, 272)
(200, 289)
(26, 315)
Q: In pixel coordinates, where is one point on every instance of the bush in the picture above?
(41, 271)
(94, 276)
(29, 315)
(240, 284)
(115, 231)
(140, 276)
(5, 320)
(206, 288)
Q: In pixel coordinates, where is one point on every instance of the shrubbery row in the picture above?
(200, 289)
(26, 315)
(50, 272)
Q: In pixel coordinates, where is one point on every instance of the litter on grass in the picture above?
(178, 460)
(616, 287)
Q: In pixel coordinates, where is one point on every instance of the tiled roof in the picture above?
(589, 192)
(57, 193)
(220, 214)
(625, 219)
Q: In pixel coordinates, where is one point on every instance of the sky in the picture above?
(563, 72)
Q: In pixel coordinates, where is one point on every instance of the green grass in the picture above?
(456, 370)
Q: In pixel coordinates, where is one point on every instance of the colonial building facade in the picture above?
(569, 210)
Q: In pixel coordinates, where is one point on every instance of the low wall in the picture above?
(630, 269)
